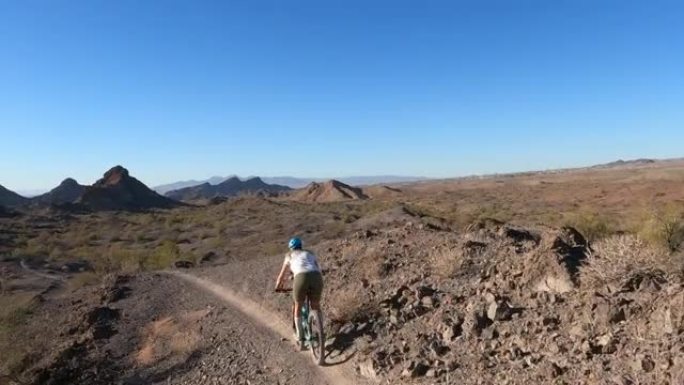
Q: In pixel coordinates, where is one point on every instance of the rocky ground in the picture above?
(408, 299)
(497, 304)
(158, 329)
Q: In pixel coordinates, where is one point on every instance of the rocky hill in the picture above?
(331, 191)
(381, 191)
(503, 304)
(9, 198)
(496, 304)
(6, 213)
(117, 190)
(228, 188)
(69, 191)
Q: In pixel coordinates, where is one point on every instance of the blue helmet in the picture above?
(294, 244)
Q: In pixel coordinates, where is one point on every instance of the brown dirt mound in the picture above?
(331, 191)
(377, 192)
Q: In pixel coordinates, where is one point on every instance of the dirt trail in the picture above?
(334, 375)
(35, 272)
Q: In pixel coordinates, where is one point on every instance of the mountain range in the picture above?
(116, 190)
(294, 182)
(231, 187)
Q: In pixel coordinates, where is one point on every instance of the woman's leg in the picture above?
(315, 290)
(297, 316)
(298, 295)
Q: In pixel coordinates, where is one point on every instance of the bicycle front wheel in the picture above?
(317, 341)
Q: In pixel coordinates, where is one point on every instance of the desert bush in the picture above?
(349, 304)
(333, 230)
(38, 247)
(496, 211)
(163, 256)
(593, 226)
(114, 259)
(57, 252)
(445, 262)
(204, 234)
(15, 311)
(368, 261)
(87, 278)
(617, 259)
(664, 227)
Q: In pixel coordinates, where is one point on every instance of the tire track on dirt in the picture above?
(333, 375)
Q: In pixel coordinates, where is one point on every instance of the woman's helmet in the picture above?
(295, 244)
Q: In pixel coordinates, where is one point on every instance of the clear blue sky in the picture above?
(189, 89)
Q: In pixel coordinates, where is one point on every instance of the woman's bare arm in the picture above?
(281, 276)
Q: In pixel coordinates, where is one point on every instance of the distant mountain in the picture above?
(380, 191)
(626, 163)
(9, 198)
(228, 188)
(330, 191)
(69, 191)
(380, 179)
(31, 193)
(163, 189)
(294, 182)
(117, 190)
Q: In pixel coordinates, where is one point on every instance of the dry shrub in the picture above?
(615, 260)
(87, 278)
(163, 256)
(445, 262)
(367, 261)
(664, 228)
(593, 226)
(348, 304)
(15, 311)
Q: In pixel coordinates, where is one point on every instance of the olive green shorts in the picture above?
(308, 284)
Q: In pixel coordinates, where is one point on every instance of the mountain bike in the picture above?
(311, 325)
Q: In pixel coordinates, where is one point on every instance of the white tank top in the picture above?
(302, 261)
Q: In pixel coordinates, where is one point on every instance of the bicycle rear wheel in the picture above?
(317, 340)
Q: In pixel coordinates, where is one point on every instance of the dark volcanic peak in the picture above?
(69, 182)
(9, 198)
(117, 190)
(114, 176)
(69, 191)
(231, 187)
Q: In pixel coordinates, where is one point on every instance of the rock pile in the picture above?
(514, 312)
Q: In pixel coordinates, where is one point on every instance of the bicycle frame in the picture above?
(310, 337)
(303, 318)
(304, 323)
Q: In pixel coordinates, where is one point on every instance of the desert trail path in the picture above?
(265, 318)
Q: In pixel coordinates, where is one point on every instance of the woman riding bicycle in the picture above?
(308, 281)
